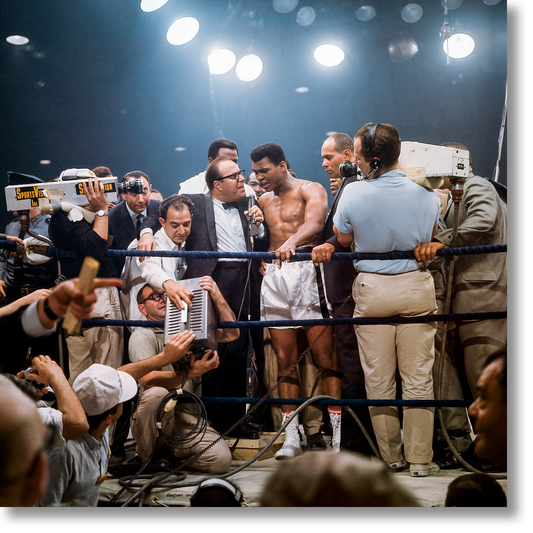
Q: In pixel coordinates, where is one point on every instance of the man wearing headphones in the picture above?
(388, 212)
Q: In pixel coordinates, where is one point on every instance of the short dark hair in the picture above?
(178, 202)
(387, 144)
(96, 420)
(136, 174)
(341, 142)
(475, 490)
(140, 293)
(102, 172)
(272, 151)
(215, 146)
(212, 172)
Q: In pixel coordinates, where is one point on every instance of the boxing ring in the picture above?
(176, 479)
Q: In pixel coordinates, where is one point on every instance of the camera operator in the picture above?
(72, 232)
(125, 219)
(148, 342)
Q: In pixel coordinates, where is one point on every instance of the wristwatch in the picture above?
(101, 213)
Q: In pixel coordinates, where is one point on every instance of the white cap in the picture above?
(101, 387)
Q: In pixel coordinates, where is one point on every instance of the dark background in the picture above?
(99, 84)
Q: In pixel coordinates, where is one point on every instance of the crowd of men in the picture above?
(119, 377)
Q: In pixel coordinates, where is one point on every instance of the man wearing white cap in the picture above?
(78, 469)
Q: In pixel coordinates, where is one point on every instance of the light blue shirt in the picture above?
(389, 213)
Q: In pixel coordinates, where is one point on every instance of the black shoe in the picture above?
(244, 432)
(315, 442)
(446, 460)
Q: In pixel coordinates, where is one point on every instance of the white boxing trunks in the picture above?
(290, 293)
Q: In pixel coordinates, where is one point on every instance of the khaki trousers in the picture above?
(406, 347)
(103, 345)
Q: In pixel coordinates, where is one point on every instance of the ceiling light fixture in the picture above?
(17, 40)
(284, 6)
(365, 13)
(152, 5)
(459, 45)
(249, 68)
(412, 13)
(306, 16)
(329, 55)
(183, 30)
(221, 61)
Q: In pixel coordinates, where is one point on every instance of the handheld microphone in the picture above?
(254, 230)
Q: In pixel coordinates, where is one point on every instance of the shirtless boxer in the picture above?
(294, 211)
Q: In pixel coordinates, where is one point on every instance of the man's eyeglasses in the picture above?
(155, 296)
(234, 177)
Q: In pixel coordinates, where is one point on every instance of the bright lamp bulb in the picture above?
(183, 31)
(329, 55)
(221, 61)
(152, 5)
(459, 45)
(249, 68)
(17, 40)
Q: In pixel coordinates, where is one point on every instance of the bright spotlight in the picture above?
(221, 61)
(329, 55)
(302, 90)
(459, 45)
(452, 4)
(17, 40)
(183, 30)
(152, 5)
(249, 68)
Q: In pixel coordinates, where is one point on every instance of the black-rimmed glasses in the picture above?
(234, 176)
(155, 297)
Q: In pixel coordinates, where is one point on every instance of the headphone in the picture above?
(375, 163)
(218, 483)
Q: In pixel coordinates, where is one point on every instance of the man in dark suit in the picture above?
(126, 218)
(124, 223)
(220, 224)
(339, 276)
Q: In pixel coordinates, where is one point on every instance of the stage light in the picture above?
(302, 90)
(365, 13)
(152, 5)
(17, 40)
(306, 16)
(459, 45)
(183, 30)
(249, 68)
(329, 55)
(491, 2)
(221, 61)
(45, 162)
(284, 6)
(412, 13)
(402, 48)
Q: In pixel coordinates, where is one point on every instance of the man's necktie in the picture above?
(227, 205)
(140, 219)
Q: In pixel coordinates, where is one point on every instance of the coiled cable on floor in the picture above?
(169, 403)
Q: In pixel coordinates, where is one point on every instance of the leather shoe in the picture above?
(315, 442)
(446, 460)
